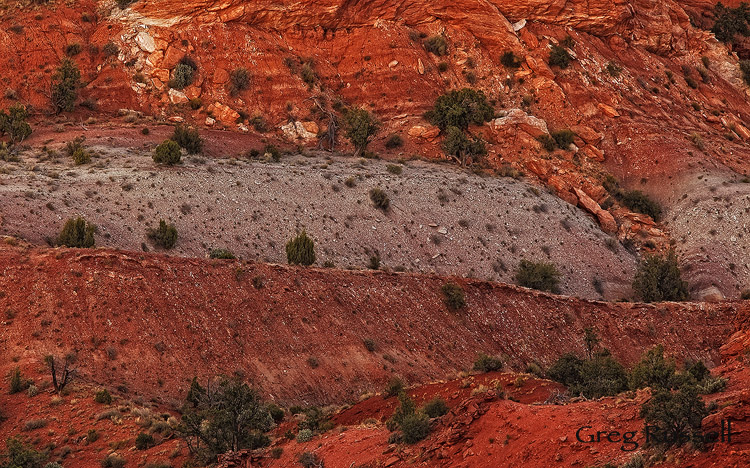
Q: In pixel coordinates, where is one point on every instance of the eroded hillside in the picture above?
(653, 98)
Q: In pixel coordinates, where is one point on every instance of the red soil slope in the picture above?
(483, 430)
(150, 323)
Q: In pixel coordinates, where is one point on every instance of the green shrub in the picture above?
(19, 454)
(415, 427)
(224, 254)
(457, 144)
(369, 344)
(405, 408)
(653, 370)
(34, 424)
(538, 275)
(124, 3)
(509, 60)
(14, 124)
(677, 416)
(395, 387)
(103, 396)
(599, 376)
(435, 408)
(113, 460)
(72, 49)
(276, 412)
(17, 382)
(360, 126)
(394, 141)
(304, 435)
(77, 232)
(659, 279)
(168, 152)
(65, 84)
(239, 80)
(76, 150)
(231, 417)
(460, 108)
(308, 74)
(188, 138)
(486, 363)
(563, 138)
(300, 250)
(379, 198)
(396, 169)
(144, 441)
(183, 74)
(436, 45)
(453, 296)
(547, 142)
(165, 236)
(559, 57)
(634, 200)
(709, 385)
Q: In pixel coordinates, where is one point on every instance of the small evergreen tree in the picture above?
(659, 279)
(460, 108)
(538, 275)
(462, 147)
(676, 415)
(360, 126)
(77, 232)
(14, 124)
(65, 84)
(300, 250)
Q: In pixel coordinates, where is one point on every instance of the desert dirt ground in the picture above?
(441, 219)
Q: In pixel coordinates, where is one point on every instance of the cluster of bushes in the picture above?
(76, 150)
(379, 198)
(633, 199)
(305, 68)
(487, 363)
(730, 22)
(675, 407)
(453, 113)
(13, 123)
(413, 423)
(20, 454)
